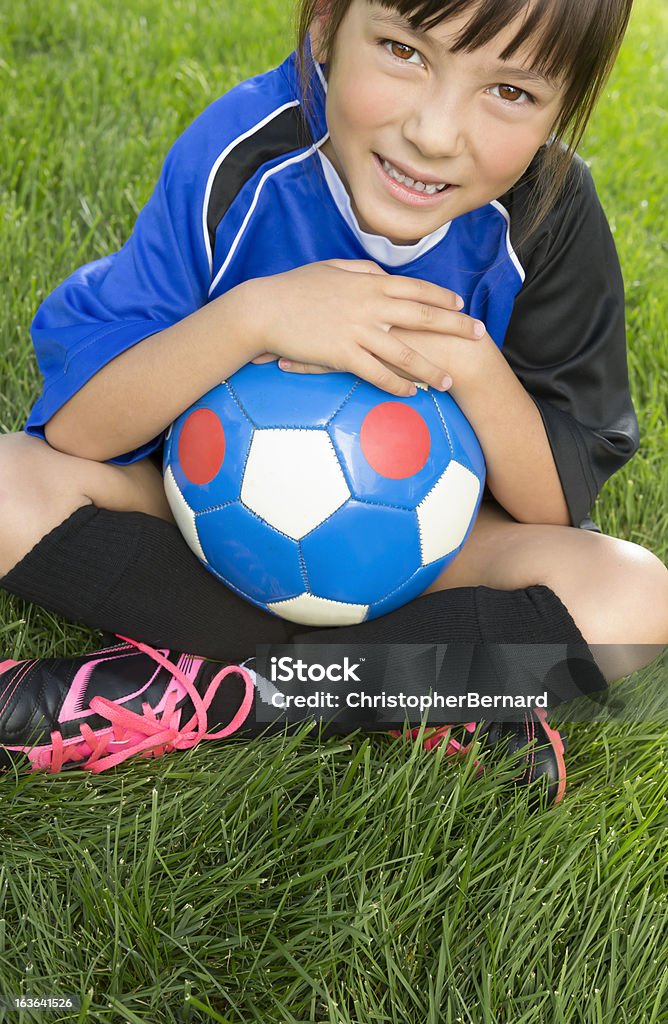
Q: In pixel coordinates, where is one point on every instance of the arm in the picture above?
(118, 341)
(142, 390)
(566, 341)
(135, 397)
(521, 471)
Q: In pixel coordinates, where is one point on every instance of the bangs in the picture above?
(563, 38)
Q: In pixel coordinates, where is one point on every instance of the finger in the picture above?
(357, 266)
(424, 292)
(365, 365)
(266, 358)
(446, 378)
(290, 366)
(396, 351)
(421, 316)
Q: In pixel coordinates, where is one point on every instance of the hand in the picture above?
(349, 315)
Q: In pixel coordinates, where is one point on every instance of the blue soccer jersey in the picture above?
(246, 192)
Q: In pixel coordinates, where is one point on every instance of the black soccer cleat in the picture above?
(98, 710)
(542, 746)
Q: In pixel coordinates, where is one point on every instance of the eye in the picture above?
(511, 94)
(401, 51)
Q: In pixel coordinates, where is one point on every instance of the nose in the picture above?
(436, 123)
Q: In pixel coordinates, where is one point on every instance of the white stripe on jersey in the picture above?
(511, 252)
(214, 170)
(268, 174)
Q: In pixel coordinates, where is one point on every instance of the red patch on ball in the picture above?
(395, 440)
(201, 446)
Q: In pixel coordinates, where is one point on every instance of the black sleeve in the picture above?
(566, 340)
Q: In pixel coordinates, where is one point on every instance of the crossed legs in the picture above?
(616, 591)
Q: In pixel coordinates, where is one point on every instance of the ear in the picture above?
(318, 32)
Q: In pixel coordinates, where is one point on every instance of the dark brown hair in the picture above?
(576, 40)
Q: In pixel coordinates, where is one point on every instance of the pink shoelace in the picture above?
(146, 734)
(442, 734)
(439, 734)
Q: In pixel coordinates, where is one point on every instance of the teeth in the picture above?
(419, 186)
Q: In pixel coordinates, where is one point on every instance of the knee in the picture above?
(635, 589)
(11, 471)
(15, 472)
(35, 495)
(21, 468)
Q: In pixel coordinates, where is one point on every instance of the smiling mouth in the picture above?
(409, 190)
(429, 188)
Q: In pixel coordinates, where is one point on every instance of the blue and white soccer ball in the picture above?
(320, 497)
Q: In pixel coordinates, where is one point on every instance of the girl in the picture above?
(399, 199)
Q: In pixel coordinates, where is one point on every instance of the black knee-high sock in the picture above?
(133, 574)
(521, 635)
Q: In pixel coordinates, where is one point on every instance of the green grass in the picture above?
(295, 879)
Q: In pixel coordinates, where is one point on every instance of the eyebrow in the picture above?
(526, 73)
(393, 19)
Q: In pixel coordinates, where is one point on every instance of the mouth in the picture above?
(405, 186)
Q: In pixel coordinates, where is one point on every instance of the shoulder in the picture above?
(254, 119)
(576, 215)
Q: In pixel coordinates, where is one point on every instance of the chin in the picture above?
(406, 241)
(389, 231)
(411, 238)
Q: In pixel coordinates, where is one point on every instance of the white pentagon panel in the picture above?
(445, 514)
(185, 517)
(293, 479)
(309, 610)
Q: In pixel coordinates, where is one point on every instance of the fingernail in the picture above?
(446, 382)
(479, 329)
(284, 364)
(459, 302)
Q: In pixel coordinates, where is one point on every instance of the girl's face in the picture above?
(401, 104)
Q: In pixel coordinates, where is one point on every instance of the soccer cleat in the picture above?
(98, 710)
(544, 747)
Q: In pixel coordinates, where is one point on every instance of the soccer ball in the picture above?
(320, 497)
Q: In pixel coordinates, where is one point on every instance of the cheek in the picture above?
(358, 106)
(505, 160)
